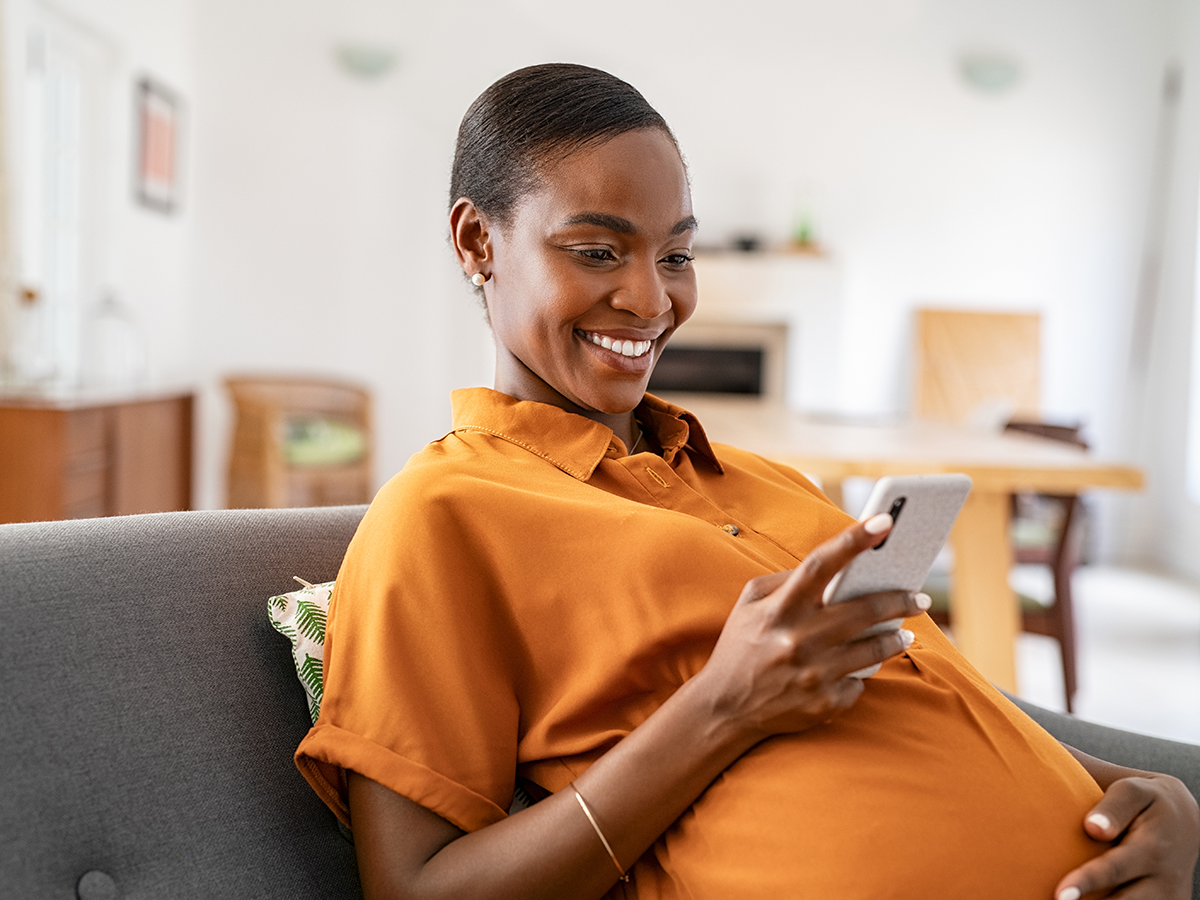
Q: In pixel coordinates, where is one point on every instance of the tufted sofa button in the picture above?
(731, 529)
(96, 885)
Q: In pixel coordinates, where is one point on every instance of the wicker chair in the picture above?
(301, 441)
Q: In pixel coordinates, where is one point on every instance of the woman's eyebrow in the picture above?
(688, 224)
(623, 226)
(602, 220)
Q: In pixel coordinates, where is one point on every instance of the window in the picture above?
(68, 76)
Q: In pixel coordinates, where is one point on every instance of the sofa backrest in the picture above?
(148, 712)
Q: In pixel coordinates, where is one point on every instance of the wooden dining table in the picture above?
(984, 613)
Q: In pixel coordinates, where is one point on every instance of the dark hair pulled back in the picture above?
(532, 117)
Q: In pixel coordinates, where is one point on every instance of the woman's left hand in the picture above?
(1154, 822)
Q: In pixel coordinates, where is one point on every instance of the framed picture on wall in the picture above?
(156, 177)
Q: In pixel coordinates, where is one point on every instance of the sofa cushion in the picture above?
(300, 617)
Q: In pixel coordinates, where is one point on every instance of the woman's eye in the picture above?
(678, 260)
(597, 254)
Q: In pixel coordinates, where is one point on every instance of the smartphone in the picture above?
(923, 509)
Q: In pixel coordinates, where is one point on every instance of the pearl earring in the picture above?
(479, 279)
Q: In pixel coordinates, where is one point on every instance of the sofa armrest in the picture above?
(150, 712)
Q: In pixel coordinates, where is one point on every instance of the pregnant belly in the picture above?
(932, 785)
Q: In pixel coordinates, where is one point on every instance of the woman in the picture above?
(576, 588)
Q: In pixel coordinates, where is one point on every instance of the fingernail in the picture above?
(1100, 820)
(924, 601)
(878, 524)
(907, 637)
(1071, 893)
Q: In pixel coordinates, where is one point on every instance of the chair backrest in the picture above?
(969, 364)
(260, 474)
(1064, 434)
(150, 712)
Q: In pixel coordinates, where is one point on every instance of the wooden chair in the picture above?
(299, 442)
(1058, 548)
(974, 365)
(968, 363)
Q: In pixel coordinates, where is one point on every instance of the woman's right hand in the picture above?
(783, 661)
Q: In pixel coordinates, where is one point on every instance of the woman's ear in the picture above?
(471, 237)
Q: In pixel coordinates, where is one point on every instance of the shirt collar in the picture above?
(574, 443)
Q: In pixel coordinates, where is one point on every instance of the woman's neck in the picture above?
(527, 386)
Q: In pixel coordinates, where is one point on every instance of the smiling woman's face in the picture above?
(591, 276)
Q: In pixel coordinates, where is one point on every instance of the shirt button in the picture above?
(732, 529)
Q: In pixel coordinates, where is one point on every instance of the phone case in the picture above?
(929, 504)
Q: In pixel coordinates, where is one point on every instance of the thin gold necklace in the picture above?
(641, 436)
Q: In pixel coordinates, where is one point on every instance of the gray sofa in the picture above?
(149, 712)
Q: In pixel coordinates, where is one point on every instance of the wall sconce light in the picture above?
(366, 61)
(990, 73)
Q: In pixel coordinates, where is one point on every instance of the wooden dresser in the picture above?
(76, 456)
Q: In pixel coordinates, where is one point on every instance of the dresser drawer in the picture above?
(61, 458)
(85, 434)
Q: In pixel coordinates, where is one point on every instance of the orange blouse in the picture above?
(523, 594)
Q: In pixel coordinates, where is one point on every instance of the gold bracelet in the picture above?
(600, 834)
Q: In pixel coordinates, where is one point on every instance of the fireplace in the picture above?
(734, 360)
(767, 331)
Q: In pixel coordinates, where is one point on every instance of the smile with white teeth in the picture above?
(632, 349)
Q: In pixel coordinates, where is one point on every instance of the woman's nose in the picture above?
(642, 292)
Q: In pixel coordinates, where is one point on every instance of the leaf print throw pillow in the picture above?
(300, 617)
